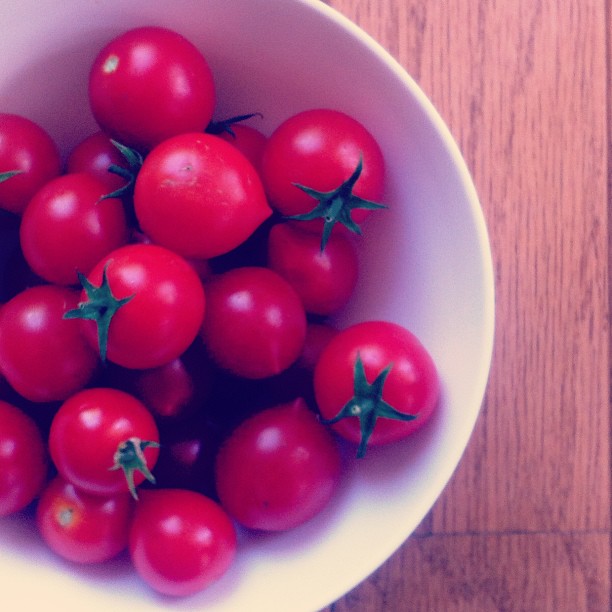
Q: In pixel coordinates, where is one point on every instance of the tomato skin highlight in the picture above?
(44, 357)
(66, 228)
(149, 84)
(199, 196)
(180, 541)
(412, 385)
(278, 469)
(80, 527)
(87, 431)
(255, 323)
(25, 147)
(23, 459)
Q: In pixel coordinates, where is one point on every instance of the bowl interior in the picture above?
(425, 264)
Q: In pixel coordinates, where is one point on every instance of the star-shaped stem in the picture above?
(335, 206)
(129, 457)
(368, 405)
(100, 306)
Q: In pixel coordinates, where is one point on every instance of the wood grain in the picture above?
(524, 87)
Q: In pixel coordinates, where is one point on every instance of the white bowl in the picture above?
(425, 264)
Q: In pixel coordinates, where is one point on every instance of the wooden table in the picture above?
(524, 525)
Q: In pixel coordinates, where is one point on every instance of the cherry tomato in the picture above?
(376, 383)
(324, 162)
(104, 441)
(81, 527)
(95, 155)
(324, 279)
(27, 150)
(248, 140)
(149, 84)
(146, 304)
(23, 459)
(255, 323)
(199, 196)
(172, 391)
(278, 469)
(43, 356)
(67, 228)
(180, 541)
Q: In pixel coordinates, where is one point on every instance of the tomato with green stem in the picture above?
(375, 383)
(323, 167)
(104, 441)
(142, 306)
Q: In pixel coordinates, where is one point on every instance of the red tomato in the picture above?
(255, 323)
(324, 279)
(81, 527)
(44, 357)
(320, 150)
(66, 229)
(180, 541)
(149, 84)
(278, 469)
(23, 459)
(249, 141)
(25, 149)
(95, 155)
(376, 383)
(174, 390)
(151, 309)
(199, 196)
(104, 441)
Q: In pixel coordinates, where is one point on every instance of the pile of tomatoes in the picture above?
(168, 370)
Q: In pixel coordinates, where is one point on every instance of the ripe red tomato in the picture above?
(27, 150)
(255, 323)
(199, 196)
(180, 541)
(336, 161)
(104, 441)
(278, 469)
(376, 383)
(44, 357)
(151, 309)
(95, 155)
(81, 527)
(23, 459)
(324, 279)
(248, 140)
(149, 84)
(66, 229)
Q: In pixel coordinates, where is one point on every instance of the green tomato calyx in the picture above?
(129, 457)
(5, 176)
(368, 405)
(335, 206)
(100, 306)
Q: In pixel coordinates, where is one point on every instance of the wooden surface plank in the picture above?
(525, 522)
